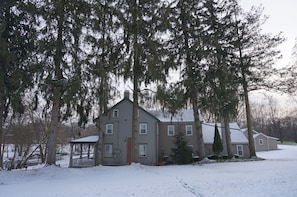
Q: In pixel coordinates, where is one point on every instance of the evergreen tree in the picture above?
(17, 47)
(182, 153)
(144, 58)
(61, 60)
(220, 96)
(217, 146)
(255, 52)
(102, 60)
(186, 44)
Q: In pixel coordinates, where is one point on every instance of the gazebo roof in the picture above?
(88, 139)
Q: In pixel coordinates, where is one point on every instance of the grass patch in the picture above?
(287, 143)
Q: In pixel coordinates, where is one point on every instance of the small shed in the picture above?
(83, 152)
(263, 142)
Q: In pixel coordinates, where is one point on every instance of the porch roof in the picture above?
(88, 139)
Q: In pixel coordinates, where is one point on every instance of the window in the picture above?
(109, 129)
(189, 130)
(261, 142)
(239, 150)
(142, 148)
(143, 128)
(115, 113)
(170, 130)
(107, 150)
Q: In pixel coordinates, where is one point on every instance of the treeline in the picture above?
(65, 57)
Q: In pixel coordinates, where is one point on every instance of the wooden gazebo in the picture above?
(83, 152)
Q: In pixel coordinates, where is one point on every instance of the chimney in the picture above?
(126, 94)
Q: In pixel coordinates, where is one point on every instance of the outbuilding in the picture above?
(83, 152)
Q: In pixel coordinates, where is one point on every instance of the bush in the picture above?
(182, 153)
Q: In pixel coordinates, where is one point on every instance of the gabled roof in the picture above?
(256, 134)
(128, 100)
(237, 137)
(182, 115)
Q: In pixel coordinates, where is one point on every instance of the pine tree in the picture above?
(103, 60)
(221, 95)
(217, 146)
(254, 56)
(144, 60)
(17, 47)
(186, 44)
(182, 153)
(61, 60)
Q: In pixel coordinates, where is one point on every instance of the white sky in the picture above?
(282, 16)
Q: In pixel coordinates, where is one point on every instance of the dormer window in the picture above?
(115, 113)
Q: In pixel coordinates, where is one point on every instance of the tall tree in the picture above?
(103, 57)
(60, 53)
(256, 53)
(186, 44)
(144, 61)
(220, 96)
(17, 44)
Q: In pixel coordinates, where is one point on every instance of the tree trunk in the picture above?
(249, 121)
(100, 142)
(226, 130)
(198, 127)
(1, 129)
(52, 141)
(134, 139)
(136, 74)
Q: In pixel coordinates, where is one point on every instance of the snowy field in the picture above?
(275, 176)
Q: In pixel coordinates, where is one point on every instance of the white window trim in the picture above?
(109, 153)
(237, 149)
(142, 148)
(145, 128)
(106, 129)
(261, 141)
(190, 126)
(170, 126)
(115, 113)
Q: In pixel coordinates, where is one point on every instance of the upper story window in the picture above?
(109, 129)
(143, 128)
(170, 130)
(115, 113)
(189, 130)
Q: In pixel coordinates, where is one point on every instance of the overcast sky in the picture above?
(282, 18)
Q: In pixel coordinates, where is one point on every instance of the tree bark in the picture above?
(136, 75)
(226, 130)
(249, 121)
(52, 141)
(1, 130)
(198, 127)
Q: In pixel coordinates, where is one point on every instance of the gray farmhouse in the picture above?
(156, 134)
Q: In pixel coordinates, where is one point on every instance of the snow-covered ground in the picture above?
(275, 176)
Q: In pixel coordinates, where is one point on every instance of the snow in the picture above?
(236, 134)
(274, 176)
(182, 115)
(88, 139)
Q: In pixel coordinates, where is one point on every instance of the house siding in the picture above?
(122, 131)
(166, 143)
(269, 143)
